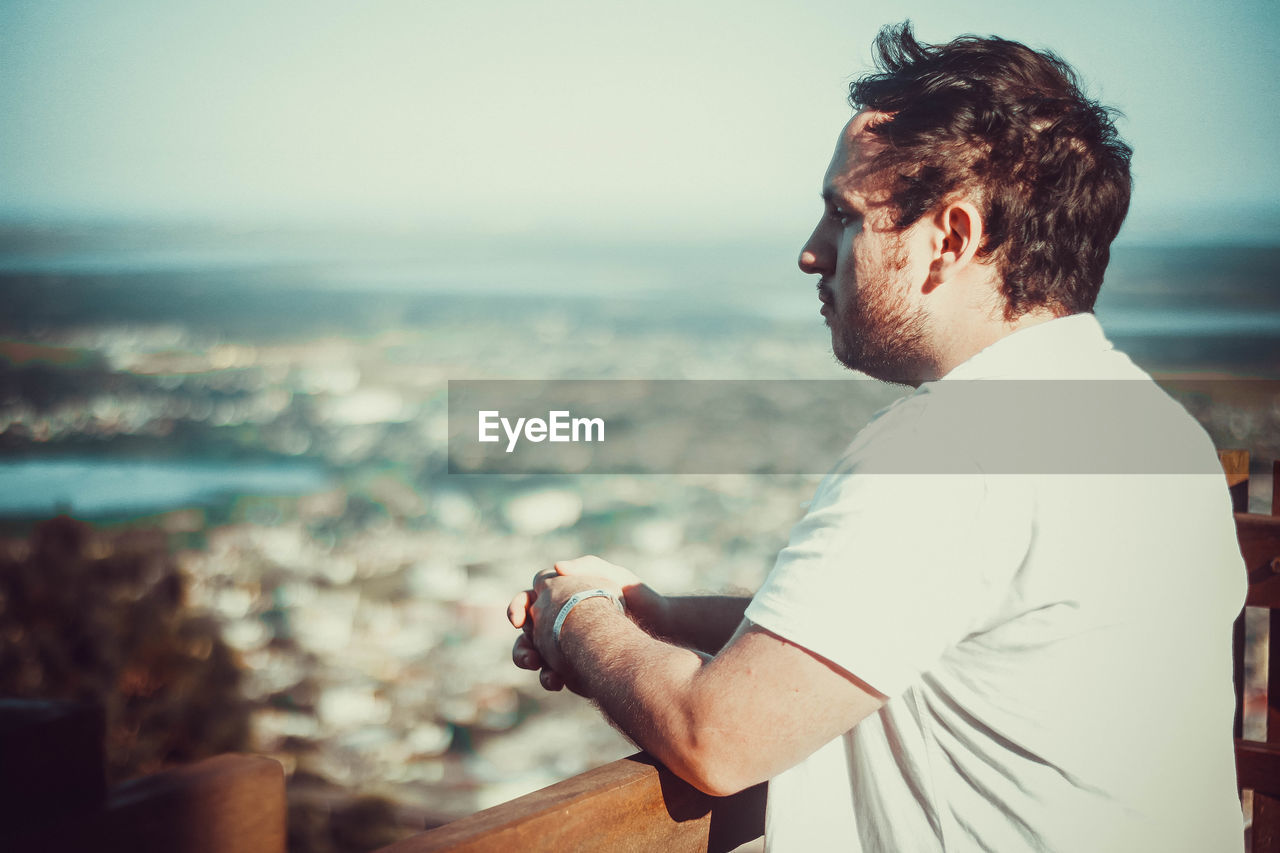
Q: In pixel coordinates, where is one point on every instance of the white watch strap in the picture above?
(574, 600)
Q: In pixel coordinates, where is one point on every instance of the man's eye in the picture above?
(844, 217)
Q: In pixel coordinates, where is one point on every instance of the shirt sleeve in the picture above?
(887, 571)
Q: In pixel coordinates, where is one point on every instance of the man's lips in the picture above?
(828, 301)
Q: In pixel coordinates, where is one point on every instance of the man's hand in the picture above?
(701, 622)
(534, 611)
(645, 605)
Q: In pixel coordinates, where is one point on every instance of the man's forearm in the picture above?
(645, 686)
(702, 622)
(722, 722)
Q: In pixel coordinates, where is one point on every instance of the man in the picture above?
(955, 652)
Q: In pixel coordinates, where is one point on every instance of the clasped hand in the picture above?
(534, 611)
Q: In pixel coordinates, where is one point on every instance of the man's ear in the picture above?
(957, 236)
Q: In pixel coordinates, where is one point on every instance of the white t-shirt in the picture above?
(1042, 577)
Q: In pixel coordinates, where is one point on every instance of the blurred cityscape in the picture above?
(359, 628)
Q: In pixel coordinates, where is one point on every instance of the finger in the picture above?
(524, 655)
(542, 576)
(586, 565)
(518, 609)
(596, 567)
(550, 679)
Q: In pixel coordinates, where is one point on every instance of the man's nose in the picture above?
(814, 258)
(809, 261)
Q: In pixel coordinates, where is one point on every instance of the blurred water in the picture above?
(89, 487)
(178, 272)
(1125, 322)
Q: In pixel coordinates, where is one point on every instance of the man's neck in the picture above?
(963, 340)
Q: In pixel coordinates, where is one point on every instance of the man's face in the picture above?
(870, 274)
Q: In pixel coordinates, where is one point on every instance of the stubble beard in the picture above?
(880, 334)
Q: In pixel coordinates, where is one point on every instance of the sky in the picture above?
(687, 120)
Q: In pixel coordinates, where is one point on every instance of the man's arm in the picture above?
(724, 723)
(701, 622)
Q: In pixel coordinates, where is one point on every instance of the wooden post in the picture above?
(227, 804)
(52, 797)
(51, 760)
(1275, 487)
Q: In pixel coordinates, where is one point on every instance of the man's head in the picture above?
(1009, 127)
(980, 155)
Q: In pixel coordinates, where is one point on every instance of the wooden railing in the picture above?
(1258, 762)
(52, 797)
(633, 804)
(53, 800)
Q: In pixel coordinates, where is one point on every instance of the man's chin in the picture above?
(882, 369)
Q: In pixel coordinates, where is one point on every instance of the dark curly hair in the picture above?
(1010, 127)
